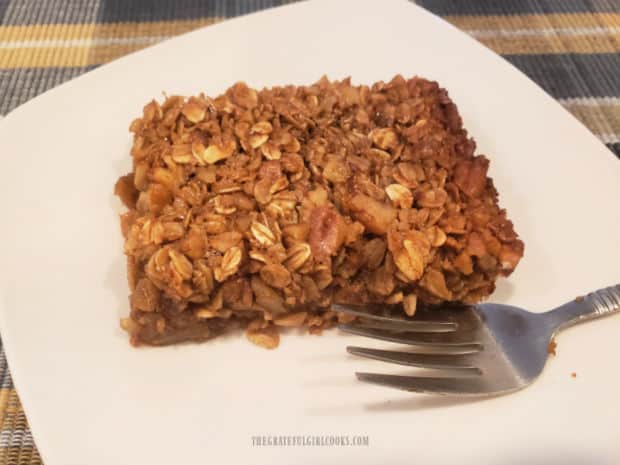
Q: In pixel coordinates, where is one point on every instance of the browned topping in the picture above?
(126, 191)
(410, 303)
(551, 348)
(265, 337)
(258, 209)
(375, 215)
(327, 232)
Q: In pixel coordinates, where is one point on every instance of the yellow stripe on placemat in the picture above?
(539, 33)
(62, 45)
(5, 394)
(157, 29)
(13, 422)
(11, 413)
(26, 455)
(48, 57)
(105, 53)
(44, 57)
(98, 51)
(83, 45)
(56, 32)
(38, 32)
(602, 119)
(553, 44)
(536, 21)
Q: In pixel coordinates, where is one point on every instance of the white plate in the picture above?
(92, 399)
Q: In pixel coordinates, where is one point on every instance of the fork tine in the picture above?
(438, 346)
(462, 335)
(409, 325)
(468, 386)
(439, 362)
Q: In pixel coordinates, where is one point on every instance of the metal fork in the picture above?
(480, 350)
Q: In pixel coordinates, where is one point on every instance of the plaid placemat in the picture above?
(571, 48)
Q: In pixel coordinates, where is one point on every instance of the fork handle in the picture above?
(596, 304)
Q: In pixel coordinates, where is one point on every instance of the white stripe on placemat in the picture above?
(16, 438)
(609, 138)
(545, 32)
(86, 42)
(590, 101)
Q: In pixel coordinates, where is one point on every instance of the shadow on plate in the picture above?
(345, 380)
(557, 458)
(116, 282)
(419, 402)
(503, 291)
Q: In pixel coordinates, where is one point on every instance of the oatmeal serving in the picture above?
(258, 209)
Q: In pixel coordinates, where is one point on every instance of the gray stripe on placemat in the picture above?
(20, 85)
(166, 10)
(4, 4)
(572, 75)
(16, 438)
(512, 7)
(5, 376)
(24, 12)
(615, 148)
